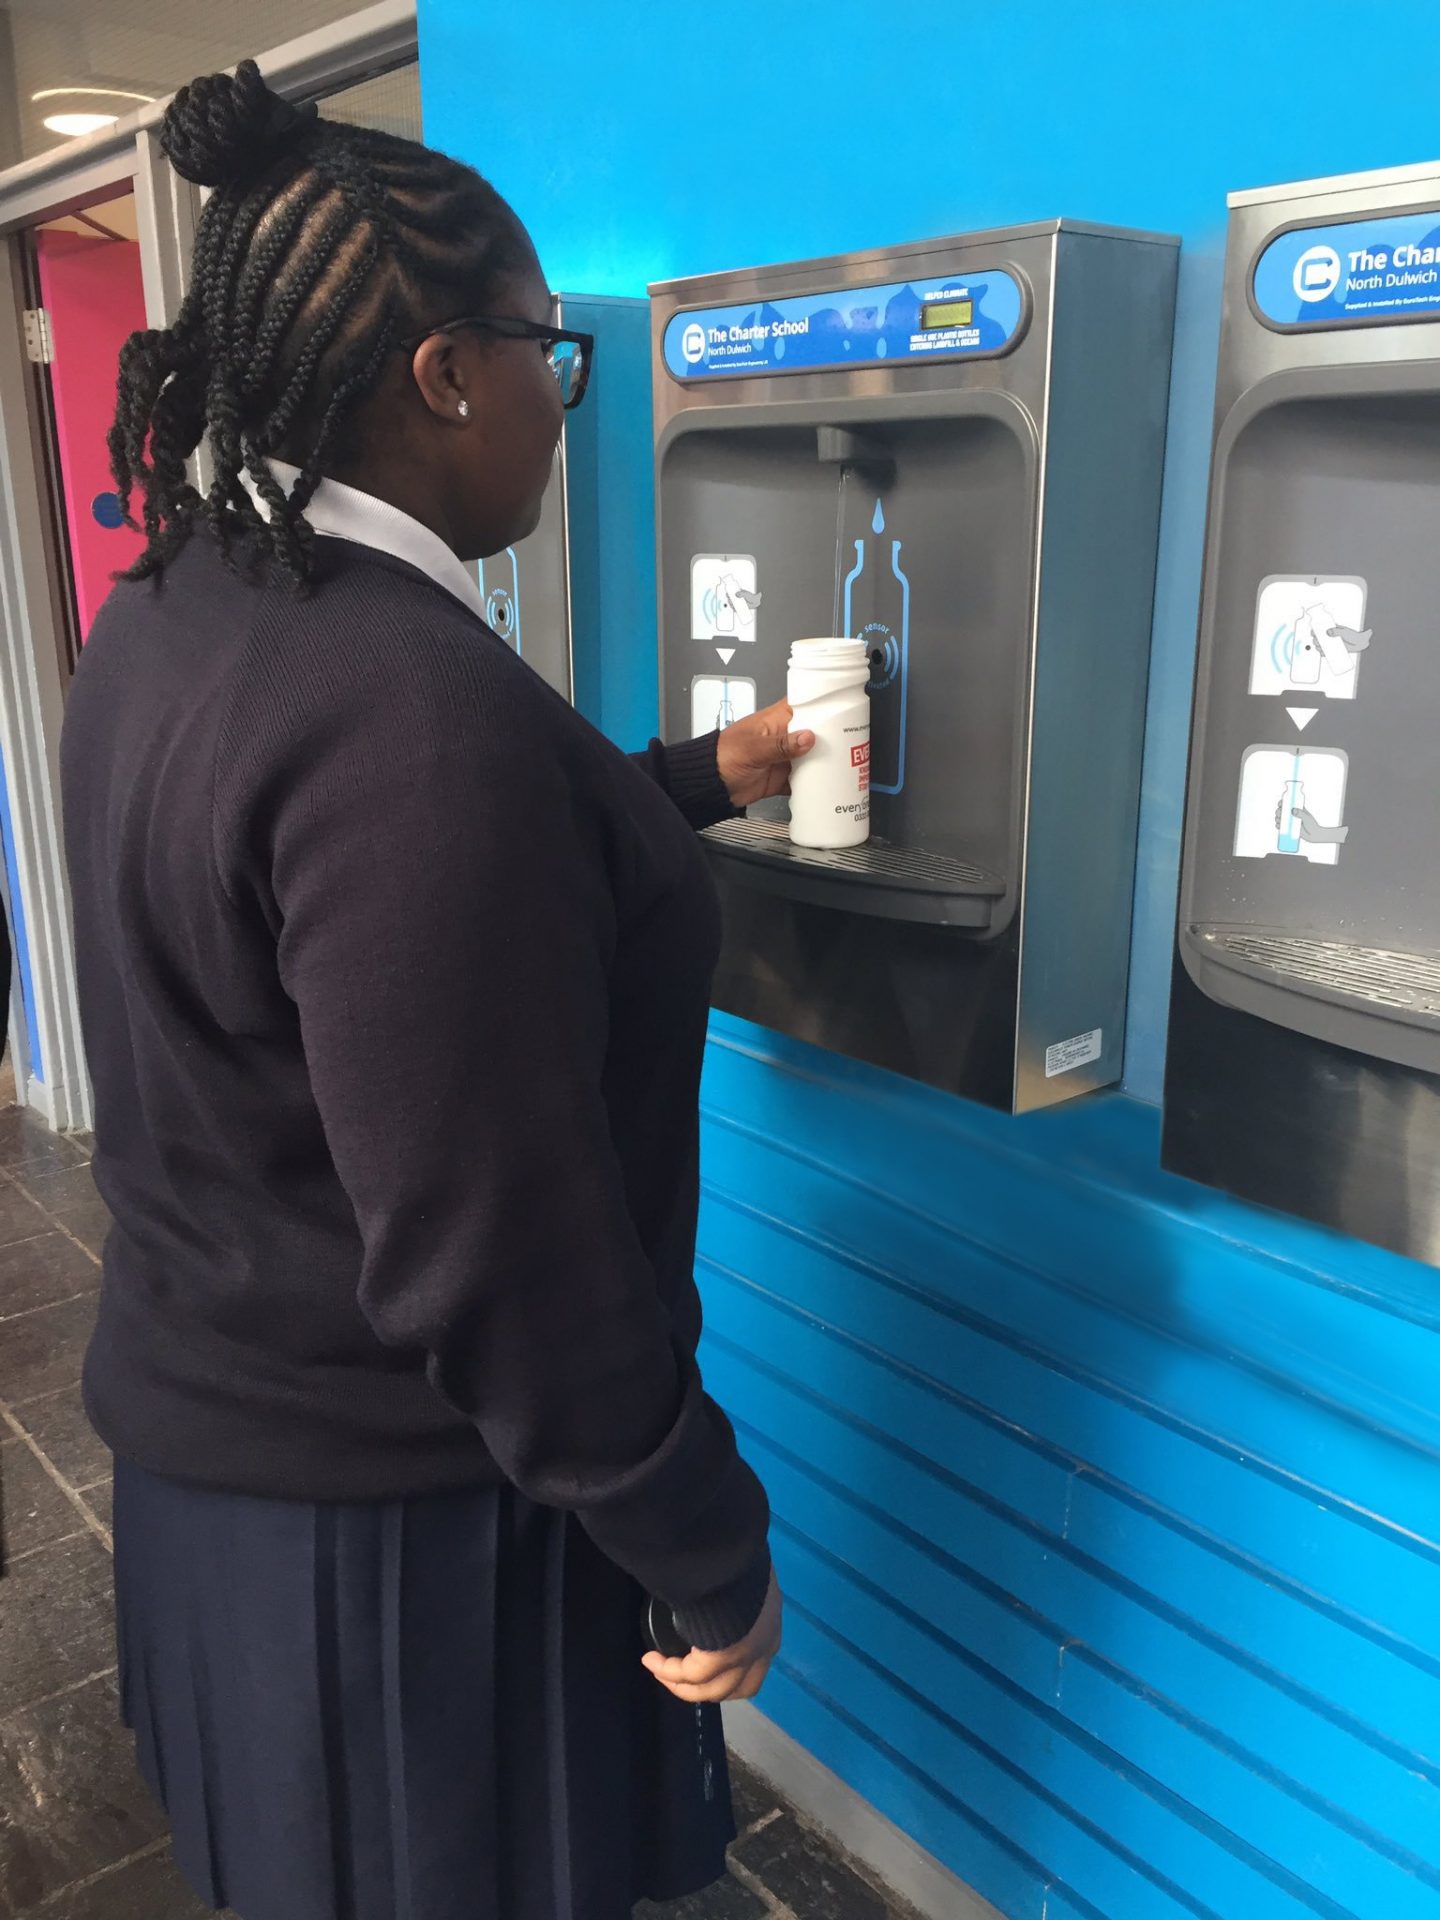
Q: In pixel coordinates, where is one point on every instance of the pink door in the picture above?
(90, 286)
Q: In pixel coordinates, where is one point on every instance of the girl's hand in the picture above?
(757, 753)
(739, 1672)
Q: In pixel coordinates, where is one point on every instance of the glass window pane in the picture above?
(120, 48)
(391, 102)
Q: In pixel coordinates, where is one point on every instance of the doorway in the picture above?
(80, 280)
(73, 286)
(91, 298)
(95, 242)
(84, 267)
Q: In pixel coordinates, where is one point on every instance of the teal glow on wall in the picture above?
(22, 974)
(1110, 1511)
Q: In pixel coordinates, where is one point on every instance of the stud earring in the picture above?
(464, 409)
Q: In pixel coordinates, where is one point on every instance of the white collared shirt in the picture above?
(349, 514)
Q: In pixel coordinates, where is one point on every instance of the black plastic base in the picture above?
(876, 879)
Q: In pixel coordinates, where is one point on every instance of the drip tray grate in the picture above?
(886, 865)
(898, 883)
(1406, 983)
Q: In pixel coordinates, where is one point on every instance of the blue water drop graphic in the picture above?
(880, 347)
(877, 525)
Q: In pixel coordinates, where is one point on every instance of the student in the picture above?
(394, 979)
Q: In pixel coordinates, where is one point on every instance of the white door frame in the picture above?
(32, 685)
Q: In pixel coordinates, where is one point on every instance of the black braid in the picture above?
(320, 248)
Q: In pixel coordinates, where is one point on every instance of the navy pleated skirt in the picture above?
(421, 1709)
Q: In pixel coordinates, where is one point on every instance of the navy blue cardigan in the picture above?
(394, 978)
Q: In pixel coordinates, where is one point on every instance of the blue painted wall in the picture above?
(1110, 1510)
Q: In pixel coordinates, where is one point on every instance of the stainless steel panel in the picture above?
(1017, 510)
(1100, 518)
(1301, 1125)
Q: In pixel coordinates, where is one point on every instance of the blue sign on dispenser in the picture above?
(1371, 272)
(978, 315)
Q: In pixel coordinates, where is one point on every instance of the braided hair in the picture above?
(322, 246)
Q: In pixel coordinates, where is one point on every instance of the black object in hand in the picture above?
(663, 1634)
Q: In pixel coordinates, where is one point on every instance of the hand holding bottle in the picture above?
(757, 753)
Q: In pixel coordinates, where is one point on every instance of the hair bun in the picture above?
(223, 127)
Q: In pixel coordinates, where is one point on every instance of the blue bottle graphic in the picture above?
(1287, 814)
(877, 612)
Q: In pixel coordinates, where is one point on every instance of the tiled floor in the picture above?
(79, 1838)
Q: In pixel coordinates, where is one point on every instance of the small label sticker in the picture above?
(1068, 1054)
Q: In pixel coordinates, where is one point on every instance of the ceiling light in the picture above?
(73, 125)
(96, 93)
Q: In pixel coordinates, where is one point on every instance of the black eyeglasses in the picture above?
(571, 355)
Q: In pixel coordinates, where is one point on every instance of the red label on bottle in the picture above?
(860, 756)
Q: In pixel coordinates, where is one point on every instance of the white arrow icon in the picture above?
(1302, 716)
(727, 654)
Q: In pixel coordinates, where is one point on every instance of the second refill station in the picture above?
(951, 451)
(1304, 1059)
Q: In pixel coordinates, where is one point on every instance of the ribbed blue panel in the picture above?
(1108, 1510)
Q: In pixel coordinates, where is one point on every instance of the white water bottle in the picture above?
(830, 787)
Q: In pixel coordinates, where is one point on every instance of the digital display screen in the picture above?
(948, 313)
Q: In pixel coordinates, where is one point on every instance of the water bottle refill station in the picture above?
(953, 451)
(544, 596)
(1304, 1062)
